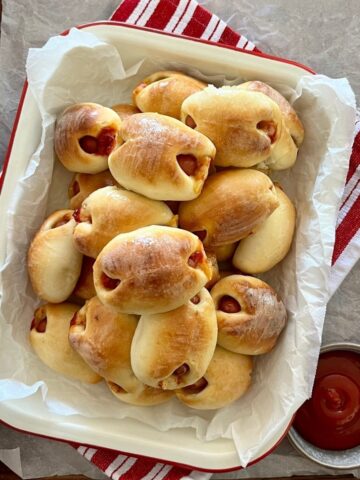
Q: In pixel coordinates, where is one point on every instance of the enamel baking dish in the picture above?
(178, 446)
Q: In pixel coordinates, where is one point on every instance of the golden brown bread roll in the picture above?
(124, 110)
(225, 252)
(246, 127)
(292, 121)
(49, 338)
(110, 211)
(250, 314)
(227, 378)
(161, 158)
(151, 270)
(271, 242)
(164, 92)
(85, 135)
(103, 338)
(54, 263)
(85, 287)
(142, 396)
(83, 184)
(232, 205)
(173, 349)
(234, 120)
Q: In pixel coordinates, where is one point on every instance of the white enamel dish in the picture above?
(178, 446)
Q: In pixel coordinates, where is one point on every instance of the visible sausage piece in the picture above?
(228, 304)
(109, 283)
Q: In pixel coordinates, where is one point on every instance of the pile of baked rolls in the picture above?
(148, 276)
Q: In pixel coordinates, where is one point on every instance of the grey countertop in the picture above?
(324, 34)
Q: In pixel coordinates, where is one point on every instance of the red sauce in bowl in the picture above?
(330, 419)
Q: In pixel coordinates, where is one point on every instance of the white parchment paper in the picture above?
(79, 67)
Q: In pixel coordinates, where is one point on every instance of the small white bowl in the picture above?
(340, 459)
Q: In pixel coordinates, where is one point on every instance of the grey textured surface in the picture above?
(324, 34)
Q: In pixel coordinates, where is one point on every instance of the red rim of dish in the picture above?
(169, 462)
(2, 178)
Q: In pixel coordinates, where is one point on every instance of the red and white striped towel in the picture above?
(187, 17)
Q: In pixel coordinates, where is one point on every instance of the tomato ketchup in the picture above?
(330, 419)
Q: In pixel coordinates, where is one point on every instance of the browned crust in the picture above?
(232, 204)
(114, 211)
(105, 342)
(165, 92)
(291, 118)
(255, 329)
(152, 263)
(77, 121)
(88, 183)
(146, 162)
(230, 117)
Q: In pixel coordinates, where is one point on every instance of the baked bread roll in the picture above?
(54, 263)
(49, 339)
(83, 184)
(124, 110)
(143, 395)
(246, 127)
(292, 121)
(243, 125)
(161, 158)
(173, 349)
(227, 378)
(232, 205)
(110, 211)
(151, 270)
(164, 92)
(271, 242)
(85, 287)
(250, 314)
(103, 338)
(85, 135)
(225, 252)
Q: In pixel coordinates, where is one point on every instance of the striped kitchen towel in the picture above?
(187, 17)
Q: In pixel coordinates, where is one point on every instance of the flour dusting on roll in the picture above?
(151, 270)
(161, 158)
(250, 314)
